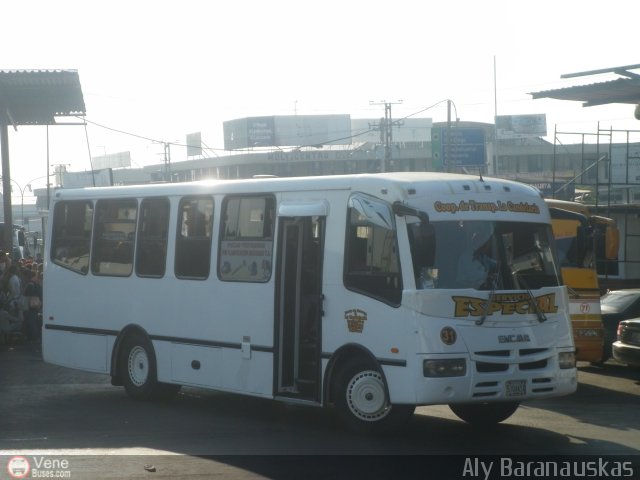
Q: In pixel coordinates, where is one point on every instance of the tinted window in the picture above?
(193, 242)
(71, 238)
(113, 241)
(372, 265)
(151, 256)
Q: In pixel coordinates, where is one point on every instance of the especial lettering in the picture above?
(506, 304)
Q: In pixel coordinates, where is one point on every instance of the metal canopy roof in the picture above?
(36, 97)
(622, 90)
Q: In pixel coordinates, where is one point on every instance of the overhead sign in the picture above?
(249, 133)
(458, 146)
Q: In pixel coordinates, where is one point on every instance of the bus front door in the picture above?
(299, 307)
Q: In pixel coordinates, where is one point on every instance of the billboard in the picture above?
(194, 144)
(311, 130)
(287, 131)
(625, 163)
(520, 126)
(406, 130)
(112, 160)
(96, 178)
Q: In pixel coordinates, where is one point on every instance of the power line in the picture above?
(351, 136)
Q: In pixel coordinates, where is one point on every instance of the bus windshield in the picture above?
(484, 255)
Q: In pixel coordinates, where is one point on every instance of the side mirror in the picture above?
(403, 210)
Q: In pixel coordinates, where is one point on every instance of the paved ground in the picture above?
(59, 413)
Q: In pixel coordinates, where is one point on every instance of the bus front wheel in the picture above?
(138, 364)
(362, 401)
(484, 414)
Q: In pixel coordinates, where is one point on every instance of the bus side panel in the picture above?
(76, 350)
(196, 365)
(248, 372)
(586, 318)
(403, 383)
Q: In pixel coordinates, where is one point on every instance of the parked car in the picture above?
(627, 348)
(617, 305)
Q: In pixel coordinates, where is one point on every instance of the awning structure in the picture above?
(621, 90)
(36, 97)
(33, 97)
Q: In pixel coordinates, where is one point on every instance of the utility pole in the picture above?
(167, 162)
(386, 131)
(6, 184)
(447, 155)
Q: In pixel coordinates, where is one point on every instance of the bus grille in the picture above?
(492, 361)
(512, 361)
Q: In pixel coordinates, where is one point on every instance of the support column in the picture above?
(6, 188)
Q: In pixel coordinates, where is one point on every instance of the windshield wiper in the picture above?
(493, 278)
(532, 301)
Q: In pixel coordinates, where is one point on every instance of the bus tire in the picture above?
(362, 400)
(484, 414)
(139, 374)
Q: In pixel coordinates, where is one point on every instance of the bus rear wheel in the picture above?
(138, 367)
(484, 414)
(362, 401)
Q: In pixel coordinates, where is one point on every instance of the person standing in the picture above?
(32, 316)
(12, 288)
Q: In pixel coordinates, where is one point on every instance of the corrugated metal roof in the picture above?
(622, 90)
(36, 97)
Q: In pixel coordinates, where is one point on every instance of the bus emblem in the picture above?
(355, 319)
(585, 308)
(448, 336)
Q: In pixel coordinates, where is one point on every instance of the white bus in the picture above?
(350, 291)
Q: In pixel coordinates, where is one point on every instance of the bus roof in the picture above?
(580, 208)
(404, 184)
(567, 205)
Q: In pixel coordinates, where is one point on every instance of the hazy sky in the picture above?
(163, 69)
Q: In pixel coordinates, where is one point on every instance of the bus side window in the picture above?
(246, 239)
(151, 252)
(113, 240)
(71, 239)
(193, 243)
(372, 264)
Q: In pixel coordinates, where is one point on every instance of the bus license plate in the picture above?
(516, 388)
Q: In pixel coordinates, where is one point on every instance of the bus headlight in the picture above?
(567, 360)
(450, 367)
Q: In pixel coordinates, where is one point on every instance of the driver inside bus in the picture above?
(476, 263)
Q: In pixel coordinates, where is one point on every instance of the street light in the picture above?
(22, 190)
